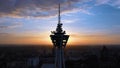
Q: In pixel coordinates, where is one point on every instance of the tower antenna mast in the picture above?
(59, 17)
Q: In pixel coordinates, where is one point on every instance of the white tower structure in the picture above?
(59, 40)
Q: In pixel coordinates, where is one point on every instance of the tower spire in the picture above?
(59, 17)
(59, 25)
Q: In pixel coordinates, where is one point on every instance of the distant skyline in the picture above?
(88, 22)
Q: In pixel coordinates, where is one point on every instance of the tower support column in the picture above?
(59, 58)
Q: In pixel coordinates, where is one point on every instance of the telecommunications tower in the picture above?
(59, 40)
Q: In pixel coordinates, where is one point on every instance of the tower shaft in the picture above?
(59, 60)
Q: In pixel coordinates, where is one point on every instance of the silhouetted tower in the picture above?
(59, 40)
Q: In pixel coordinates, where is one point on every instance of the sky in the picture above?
(88, 22)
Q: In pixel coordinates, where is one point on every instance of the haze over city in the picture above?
(88, 22)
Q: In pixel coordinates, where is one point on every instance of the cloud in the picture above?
(88, 35)
(12, 38)
(10, 25)
(69, 21)
(99, 2)
(36, 8)
(65, 21)
(115, 3)
(5, 34)
(47, 8)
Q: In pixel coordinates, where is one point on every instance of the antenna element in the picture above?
(59, 17)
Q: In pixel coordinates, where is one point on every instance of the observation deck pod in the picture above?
(58, 37)
(59, 40)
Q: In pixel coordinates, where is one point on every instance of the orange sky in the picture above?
(75, 39)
